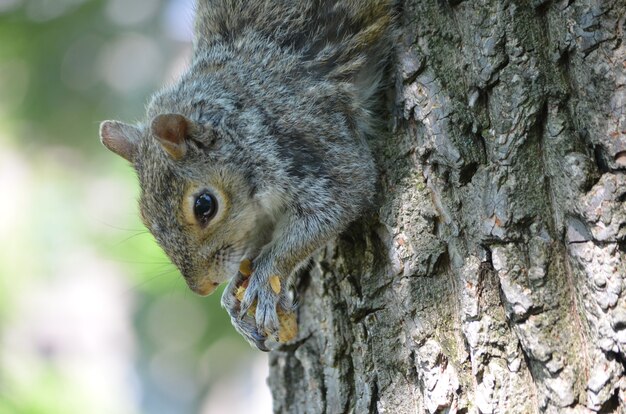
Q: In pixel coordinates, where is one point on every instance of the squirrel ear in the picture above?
(120, 138)
(171, 130)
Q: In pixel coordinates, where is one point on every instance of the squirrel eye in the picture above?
(204, 208)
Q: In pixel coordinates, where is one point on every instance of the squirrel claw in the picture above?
(260, 344)
(247, 328)
(258, 340)
(267, 317)
(245, 304)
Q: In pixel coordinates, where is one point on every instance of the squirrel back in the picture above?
(258, 152)
(343, 41)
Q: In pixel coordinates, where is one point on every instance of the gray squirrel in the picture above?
(258, 152)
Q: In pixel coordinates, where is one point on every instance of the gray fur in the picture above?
(280, 95)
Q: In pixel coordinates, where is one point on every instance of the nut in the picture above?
(245, 267)
(275, 283)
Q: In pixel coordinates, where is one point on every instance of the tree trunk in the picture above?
(492, 278)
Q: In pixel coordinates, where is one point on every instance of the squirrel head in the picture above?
(196, 197)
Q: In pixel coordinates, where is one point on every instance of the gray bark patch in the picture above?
(491, 278)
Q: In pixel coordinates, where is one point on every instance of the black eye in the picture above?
(204, 208)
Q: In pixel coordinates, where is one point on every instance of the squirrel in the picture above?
(259, 152)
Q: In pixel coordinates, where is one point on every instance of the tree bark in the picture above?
(492, 278)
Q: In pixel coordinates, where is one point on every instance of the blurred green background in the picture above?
(93, 318)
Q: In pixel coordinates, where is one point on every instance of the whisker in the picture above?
(160, 262)
(174, 283)
(136, 286)
(141, 233)
(97, 219)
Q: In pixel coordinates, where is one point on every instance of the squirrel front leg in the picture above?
(296, 238)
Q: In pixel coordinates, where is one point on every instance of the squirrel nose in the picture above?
(204, 287)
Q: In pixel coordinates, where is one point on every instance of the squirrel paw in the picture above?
(246, 326)
(264, 293)
(260, 308)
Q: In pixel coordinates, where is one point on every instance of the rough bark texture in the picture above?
(492, 279)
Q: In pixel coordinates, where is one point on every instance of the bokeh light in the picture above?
(131, 12)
